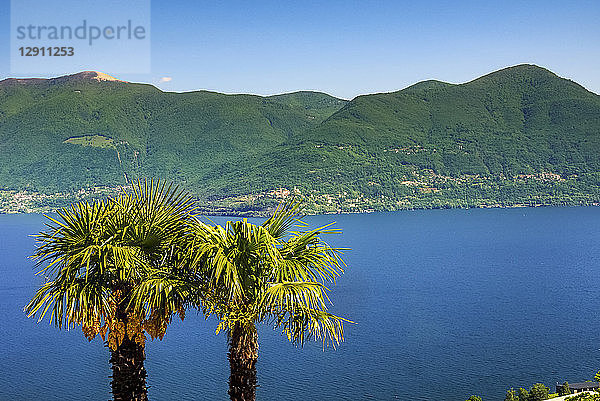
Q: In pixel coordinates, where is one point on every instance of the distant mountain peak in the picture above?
(519, 70)
(426, 85)
(93, 75)
(80, 76)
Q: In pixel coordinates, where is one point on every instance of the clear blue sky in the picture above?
(347, 48)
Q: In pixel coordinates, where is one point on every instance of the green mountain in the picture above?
(521, 135)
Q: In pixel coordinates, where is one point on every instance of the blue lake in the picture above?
(447, 303)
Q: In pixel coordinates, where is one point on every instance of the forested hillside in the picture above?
(521, 135)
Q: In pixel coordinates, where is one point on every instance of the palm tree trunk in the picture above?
(129, 375)
(243, 353)
(128, 372)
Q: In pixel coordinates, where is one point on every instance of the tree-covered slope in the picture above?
(518, 120)
(183, 136)
(521, 135)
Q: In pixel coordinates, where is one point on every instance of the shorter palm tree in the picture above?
(268, 273)
(101, 258)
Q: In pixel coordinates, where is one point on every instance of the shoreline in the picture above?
(267, 212)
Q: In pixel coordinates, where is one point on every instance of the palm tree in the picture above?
(102, 257)
(268, 273)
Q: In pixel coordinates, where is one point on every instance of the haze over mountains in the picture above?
(521, 135)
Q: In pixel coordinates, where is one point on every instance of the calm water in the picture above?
(447, 303)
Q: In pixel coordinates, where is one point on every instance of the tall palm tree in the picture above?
(268, 273)
(101, 257)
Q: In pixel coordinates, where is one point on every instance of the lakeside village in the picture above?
(259, 204)
(423, 191)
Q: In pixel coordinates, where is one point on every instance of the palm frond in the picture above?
(291, 295)
(167, 294)
(307, 257)
(136, 242)
(285, 216)
(305, 324)
(300, 308)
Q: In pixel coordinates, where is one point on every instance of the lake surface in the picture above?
(448, 303)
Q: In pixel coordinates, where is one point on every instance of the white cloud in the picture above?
(165, 79)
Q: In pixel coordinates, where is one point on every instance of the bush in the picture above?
(538, 392)
(511, 395)
(523, 394)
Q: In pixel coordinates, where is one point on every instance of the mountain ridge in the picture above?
(101, 76)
